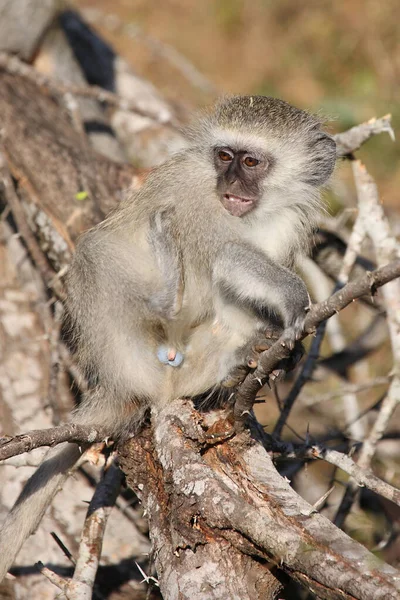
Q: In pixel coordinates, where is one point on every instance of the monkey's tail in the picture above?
(31, 504)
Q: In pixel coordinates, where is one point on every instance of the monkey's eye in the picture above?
(225, 156)
(249, 161)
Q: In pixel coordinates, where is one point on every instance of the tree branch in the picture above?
(363, 476)
(82, 583)
(349, 141)
(229, 496)
(269, 360)
(77, 434)
(374, 222)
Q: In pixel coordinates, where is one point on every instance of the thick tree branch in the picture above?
(201, 498)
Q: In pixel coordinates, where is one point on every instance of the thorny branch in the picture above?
(270, 359)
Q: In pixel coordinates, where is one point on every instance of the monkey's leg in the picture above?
(167, 302)
(33, 501)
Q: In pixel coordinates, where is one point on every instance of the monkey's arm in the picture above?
(249, 278)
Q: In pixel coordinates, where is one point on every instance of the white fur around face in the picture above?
(236, 139)
(275, 233)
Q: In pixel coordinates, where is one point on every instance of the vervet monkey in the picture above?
(165, 296)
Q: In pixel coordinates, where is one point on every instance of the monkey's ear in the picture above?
(322, 158)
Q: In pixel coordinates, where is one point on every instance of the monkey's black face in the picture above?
(239, 178)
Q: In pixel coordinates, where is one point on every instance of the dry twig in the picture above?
(375, 224)
(71, 432)
(351, 140)
(363, 476)
(80, 587)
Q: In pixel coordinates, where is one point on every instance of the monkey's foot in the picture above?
(258, 349)
(169, 356)
(248, 358)
(251, 356)
(235, 377)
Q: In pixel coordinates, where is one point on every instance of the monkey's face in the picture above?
(239, 178)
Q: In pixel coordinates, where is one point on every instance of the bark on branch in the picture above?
(77, 434)
(201, 498)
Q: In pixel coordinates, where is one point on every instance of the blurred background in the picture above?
(339, 58)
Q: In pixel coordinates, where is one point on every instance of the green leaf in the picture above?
(81, 196)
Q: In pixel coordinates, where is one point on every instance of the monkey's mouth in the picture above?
(237, 205)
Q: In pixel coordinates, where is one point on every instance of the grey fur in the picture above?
(172, 267)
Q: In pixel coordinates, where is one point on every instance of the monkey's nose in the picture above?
(169, 356)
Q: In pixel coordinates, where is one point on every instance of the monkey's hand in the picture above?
(296, 306)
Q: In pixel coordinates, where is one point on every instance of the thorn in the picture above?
(317, 505)
(146, 578)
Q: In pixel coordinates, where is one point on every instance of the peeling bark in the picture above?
(52, 165)
(228, 497)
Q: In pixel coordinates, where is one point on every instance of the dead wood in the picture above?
(65, 186)
(207, 502)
